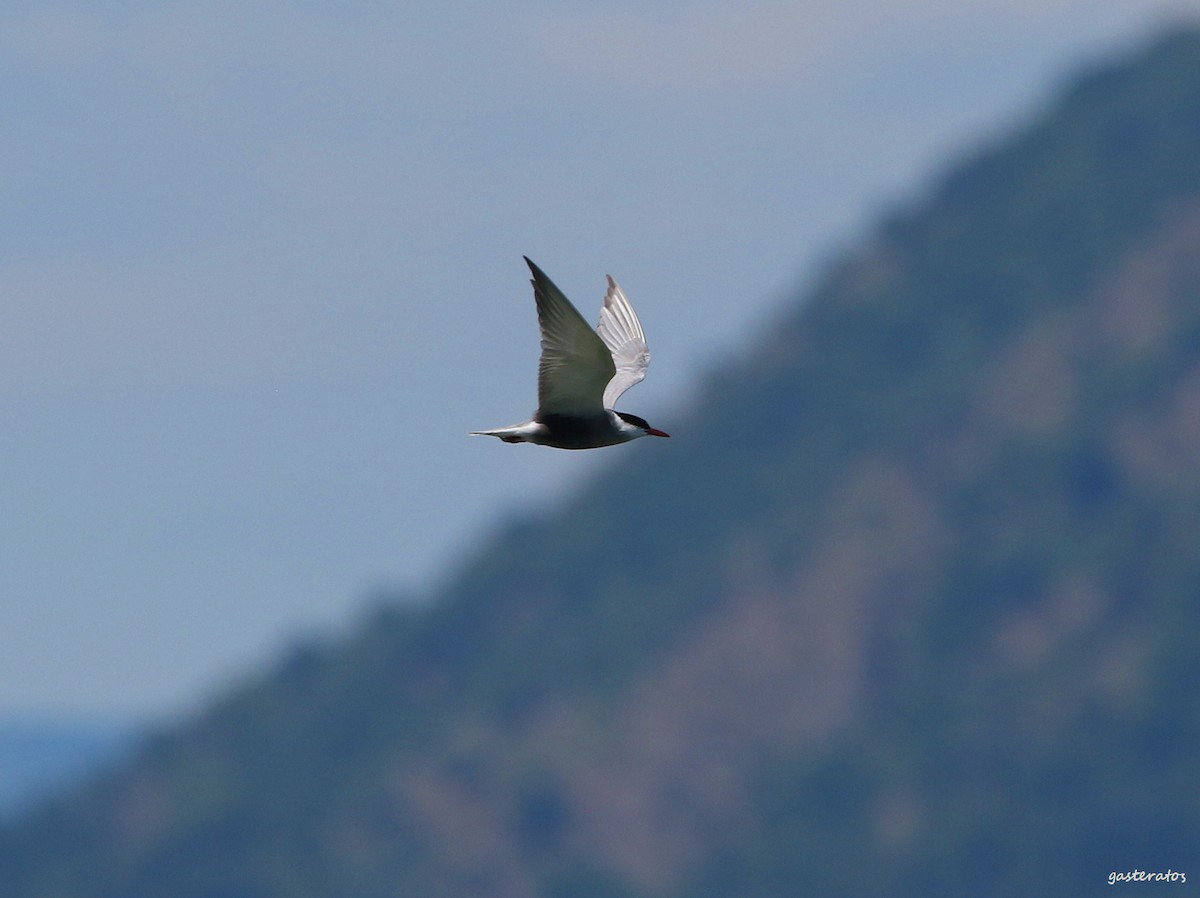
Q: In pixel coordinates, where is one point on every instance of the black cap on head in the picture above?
(634, 420)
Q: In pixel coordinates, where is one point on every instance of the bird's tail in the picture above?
(515, 433)
(509, 435)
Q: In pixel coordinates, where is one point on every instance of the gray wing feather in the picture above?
(576, 365)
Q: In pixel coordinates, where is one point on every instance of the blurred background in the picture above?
(261, 273)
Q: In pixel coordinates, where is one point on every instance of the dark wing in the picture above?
(576, 365)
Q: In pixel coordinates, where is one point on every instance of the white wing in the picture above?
(621, 332)
(575, 365)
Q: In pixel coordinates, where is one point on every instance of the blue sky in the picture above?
(260, 272)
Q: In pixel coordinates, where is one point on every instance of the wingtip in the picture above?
(541, 281)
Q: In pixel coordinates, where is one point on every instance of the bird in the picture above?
(583, 372)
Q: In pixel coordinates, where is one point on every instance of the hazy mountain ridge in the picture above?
(39, 758)
(906, 608)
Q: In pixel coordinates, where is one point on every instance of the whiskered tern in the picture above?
(582, 373)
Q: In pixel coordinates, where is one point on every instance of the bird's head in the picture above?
(637, 427)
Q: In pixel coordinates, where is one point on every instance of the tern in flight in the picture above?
(582, 373)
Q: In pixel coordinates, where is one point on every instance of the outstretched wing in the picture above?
(575, 365)
(621, 332)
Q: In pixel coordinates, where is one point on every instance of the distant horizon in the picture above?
(40, 758)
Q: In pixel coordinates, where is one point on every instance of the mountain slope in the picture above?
(907, 608)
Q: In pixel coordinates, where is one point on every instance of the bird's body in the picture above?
(582, 373)
(567, 432)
